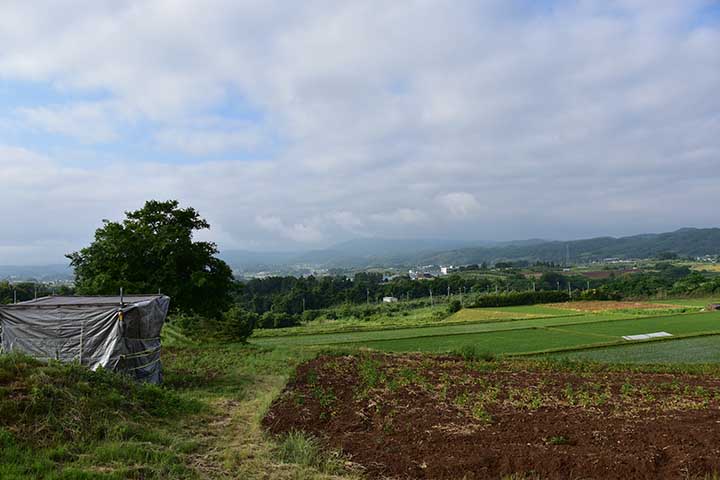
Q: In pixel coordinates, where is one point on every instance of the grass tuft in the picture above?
(303, 449)
(474, 353)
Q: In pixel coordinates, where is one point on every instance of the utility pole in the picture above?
(588, 285)
(14, 296)
(367, 296)
(570, 289)
(567, 254)
(448, 294)
(303, 304)
(558, 285)
(533, 286)
(431, 298)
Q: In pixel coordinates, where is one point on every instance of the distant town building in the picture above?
(420, 275)
(390, 299)
(447, 270)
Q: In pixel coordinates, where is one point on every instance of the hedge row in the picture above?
(518, 298)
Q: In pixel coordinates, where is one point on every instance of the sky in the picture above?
(296, 125)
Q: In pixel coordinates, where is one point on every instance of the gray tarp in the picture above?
(94, 331)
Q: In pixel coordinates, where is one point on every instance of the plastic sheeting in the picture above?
(94, 331)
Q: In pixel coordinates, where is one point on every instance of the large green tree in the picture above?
(153, 250)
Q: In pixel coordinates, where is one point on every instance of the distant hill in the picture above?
(381, 252)
(362, 253)
(684, 242)
(358, 253)
(41, 273)
(250, 260)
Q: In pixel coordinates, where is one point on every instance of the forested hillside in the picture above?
(364, 253)
(685, 242)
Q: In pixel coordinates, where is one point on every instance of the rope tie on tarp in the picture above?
(143, 353)
(143, 366)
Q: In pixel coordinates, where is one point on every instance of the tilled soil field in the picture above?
(422, 417)
(600, 306)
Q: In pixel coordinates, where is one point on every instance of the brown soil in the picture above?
(598, 306)
(603, 274)
(422, 417)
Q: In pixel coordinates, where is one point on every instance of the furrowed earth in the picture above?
(444, 417)
(600, 306)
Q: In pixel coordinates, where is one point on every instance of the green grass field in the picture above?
(692, 302)
(565, 330)
(419, 317)
(705, 349)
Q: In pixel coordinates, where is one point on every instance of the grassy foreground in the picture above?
(65, 422)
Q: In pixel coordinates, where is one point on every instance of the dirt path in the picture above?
(233, 444)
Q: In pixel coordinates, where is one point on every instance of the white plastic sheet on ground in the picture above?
(646, 336)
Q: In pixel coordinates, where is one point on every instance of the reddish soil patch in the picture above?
(421, 417)
(604, 274)
(599, 306)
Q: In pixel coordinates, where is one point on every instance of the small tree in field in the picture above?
(238, 324)
(454, 306)
(153, 249)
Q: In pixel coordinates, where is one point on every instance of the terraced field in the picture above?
(551, 329)
(700, 349)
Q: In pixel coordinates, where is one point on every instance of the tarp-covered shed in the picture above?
(119, 334)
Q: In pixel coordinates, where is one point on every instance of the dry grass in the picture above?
(603, 306)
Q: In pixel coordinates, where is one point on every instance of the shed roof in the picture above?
(56, 301)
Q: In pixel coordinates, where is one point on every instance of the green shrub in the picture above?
(454, 306)
(237, 324)
(518, 298)
(310, 315)
(278, 320)
(190, 324)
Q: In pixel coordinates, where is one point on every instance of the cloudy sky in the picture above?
(294, 125)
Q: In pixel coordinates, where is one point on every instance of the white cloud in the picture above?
(460, 204)
(199, 142)
(349, 221)
(298, 232)
(381, 118)
(401, 216)
(87, 122)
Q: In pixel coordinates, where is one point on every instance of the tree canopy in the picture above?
(153, 250)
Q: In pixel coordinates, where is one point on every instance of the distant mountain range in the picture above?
(41, 273)
(363, 253)
(377, 252)
(353, 253)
